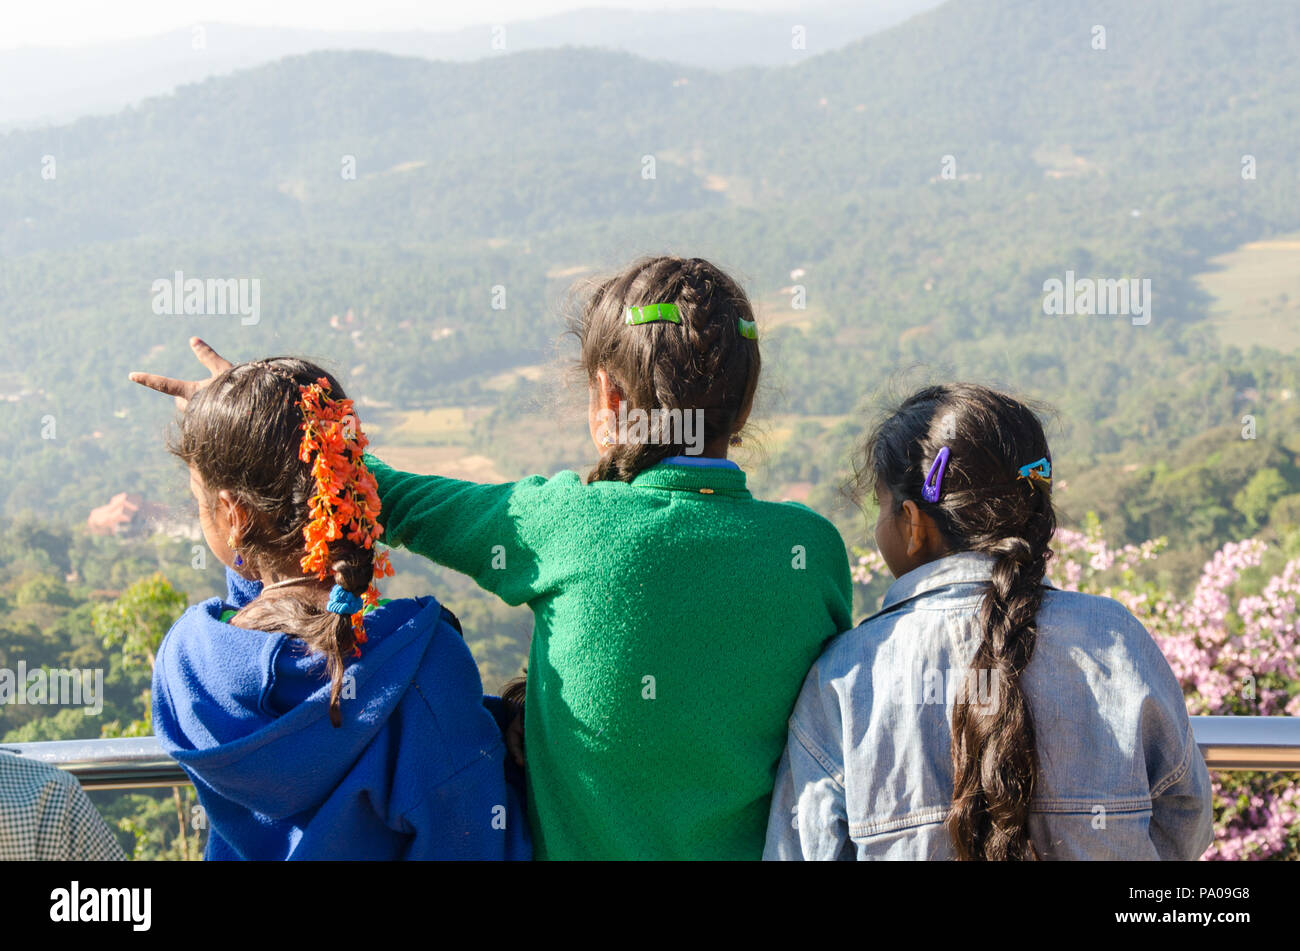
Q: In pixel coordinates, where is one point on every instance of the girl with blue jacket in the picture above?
(982, 714)
(316, 721)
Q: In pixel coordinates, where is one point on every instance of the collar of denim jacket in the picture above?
(963, 567)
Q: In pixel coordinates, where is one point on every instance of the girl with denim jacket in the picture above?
(982, 714)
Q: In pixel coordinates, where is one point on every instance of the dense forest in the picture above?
(895, 209)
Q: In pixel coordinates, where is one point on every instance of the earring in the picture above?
(735, 440)
(239, 559)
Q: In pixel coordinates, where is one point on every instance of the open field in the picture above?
(503, 381)
(443, 425)
(773, 310)
(770, 433)
(1256, 291)
(451, 461)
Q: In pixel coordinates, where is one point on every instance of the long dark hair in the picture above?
(242, 433)
(702, 363)
(984, 506)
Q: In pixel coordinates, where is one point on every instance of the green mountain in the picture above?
(923, 184)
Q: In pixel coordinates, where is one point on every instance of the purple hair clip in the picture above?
(934, 481)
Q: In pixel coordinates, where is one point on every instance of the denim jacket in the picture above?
(867, 772)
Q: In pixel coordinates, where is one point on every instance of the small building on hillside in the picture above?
(127, 514)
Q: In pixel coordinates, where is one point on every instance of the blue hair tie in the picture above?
(1040, 470)
(343, 601)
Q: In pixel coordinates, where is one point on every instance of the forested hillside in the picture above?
(524, 172)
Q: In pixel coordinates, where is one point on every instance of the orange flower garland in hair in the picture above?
(346, 501)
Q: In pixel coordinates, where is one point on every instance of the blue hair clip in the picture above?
(1042, 469)
(343, 601)
(934, 480)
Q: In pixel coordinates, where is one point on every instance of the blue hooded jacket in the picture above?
(418, 769)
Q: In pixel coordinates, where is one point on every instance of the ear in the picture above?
(608, 395)
(230, 514)
(920, 531)
(741, 420)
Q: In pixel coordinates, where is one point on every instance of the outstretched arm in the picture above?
(470, 527)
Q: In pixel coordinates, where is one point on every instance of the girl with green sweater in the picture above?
(675, 614)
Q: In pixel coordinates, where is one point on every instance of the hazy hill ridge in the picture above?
(44, 86)
(1006, 87)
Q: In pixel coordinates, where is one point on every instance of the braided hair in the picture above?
(241, 433)
(984, 506)
(703, 363)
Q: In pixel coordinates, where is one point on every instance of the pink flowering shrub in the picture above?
(1233, 643)
(868, 567)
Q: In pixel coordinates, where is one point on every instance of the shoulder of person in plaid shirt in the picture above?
(45, 815)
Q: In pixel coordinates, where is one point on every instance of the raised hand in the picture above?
(183, 390)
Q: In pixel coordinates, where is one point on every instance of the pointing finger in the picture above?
(163, 384)
(214, 361)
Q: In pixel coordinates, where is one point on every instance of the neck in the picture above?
(302, 588)
(289, 580)
(300, 582)
(717, 449)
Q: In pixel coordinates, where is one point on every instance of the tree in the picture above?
(1285, 513)
(136, 622)
(135, 625)
(1254, 501)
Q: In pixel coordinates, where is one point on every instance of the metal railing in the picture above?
(1263, 743)
(131, 763)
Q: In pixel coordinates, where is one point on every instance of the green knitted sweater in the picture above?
(675, 620)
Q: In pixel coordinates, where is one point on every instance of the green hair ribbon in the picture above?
(653, 313)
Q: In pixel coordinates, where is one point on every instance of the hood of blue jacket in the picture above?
(236, 706)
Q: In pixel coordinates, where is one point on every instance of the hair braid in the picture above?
(243, 433)
(995, 765)
(983, 507)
